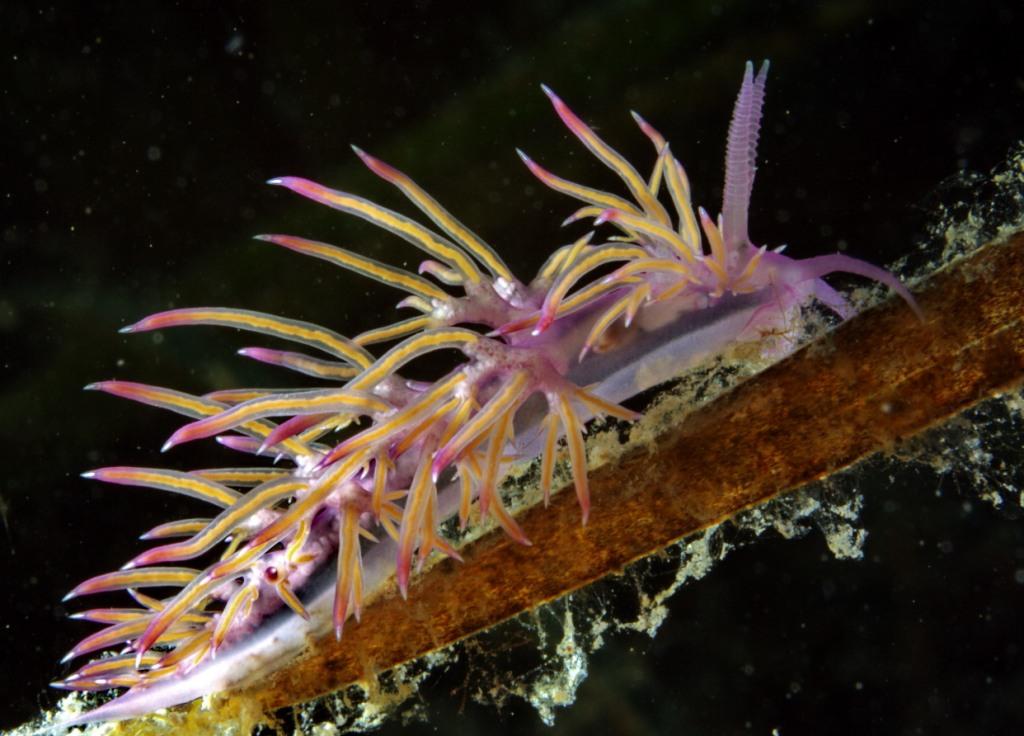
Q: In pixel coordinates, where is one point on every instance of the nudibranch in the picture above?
(362, 473)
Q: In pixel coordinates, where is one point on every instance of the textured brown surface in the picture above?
(881, 377)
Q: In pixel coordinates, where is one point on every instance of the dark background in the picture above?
(135, 140)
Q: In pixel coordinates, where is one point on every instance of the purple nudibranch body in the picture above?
(366, 469)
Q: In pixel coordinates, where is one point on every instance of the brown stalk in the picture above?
(880, 378)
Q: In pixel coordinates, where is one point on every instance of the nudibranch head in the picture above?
(364, 471)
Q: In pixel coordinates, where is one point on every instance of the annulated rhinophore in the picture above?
(360, 474)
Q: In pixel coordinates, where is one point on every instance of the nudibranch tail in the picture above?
(364, 471)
